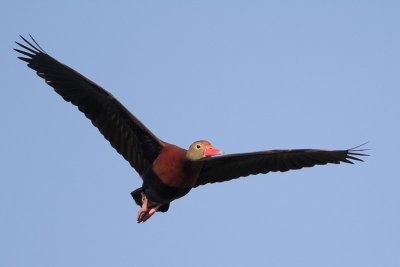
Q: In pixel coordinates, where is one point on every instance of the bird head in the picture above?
(201, 149)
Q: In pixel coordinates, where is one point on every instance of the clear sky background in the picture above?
(246, 75)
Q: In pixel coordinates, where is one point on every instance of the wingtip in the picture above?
(36, 47)
(356, 149)
(354, 153)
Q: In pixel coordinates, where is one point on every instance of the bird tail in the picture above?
(137, 196)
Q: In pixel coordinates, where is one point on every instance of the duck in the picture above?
(168, 172)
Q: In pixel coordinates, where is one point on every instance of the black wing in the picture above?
(225, 168)
(123, 130)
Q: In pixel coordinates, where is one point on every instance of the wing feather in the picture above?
(123, 130)
(228, 167)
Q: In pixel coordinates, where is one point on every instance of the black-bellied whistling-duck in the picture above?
(168, 171)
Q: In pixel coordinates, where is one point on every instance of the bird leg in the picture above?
(147, 209)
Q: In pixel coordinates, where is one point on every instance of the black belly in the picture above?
(158, 192)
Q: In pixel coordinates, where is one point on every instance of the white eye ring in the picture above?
(198, 146)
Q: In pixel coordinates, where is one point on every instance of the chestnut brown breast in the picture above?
(174, 169)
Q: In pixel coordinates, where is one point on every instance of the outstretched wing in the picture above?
(123, 130)
(228, 167)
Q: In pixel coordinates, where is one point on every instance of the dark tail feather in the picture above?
(137, 196)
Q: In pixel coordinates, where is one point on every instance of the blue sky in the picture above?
(246, 76)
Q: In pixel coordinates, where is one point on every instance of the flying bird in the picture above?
(168, 171)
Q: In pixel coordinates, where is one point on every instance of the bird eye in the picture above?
(198, 146)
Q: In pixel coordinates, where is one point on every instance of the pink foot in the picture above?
(145, 213)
